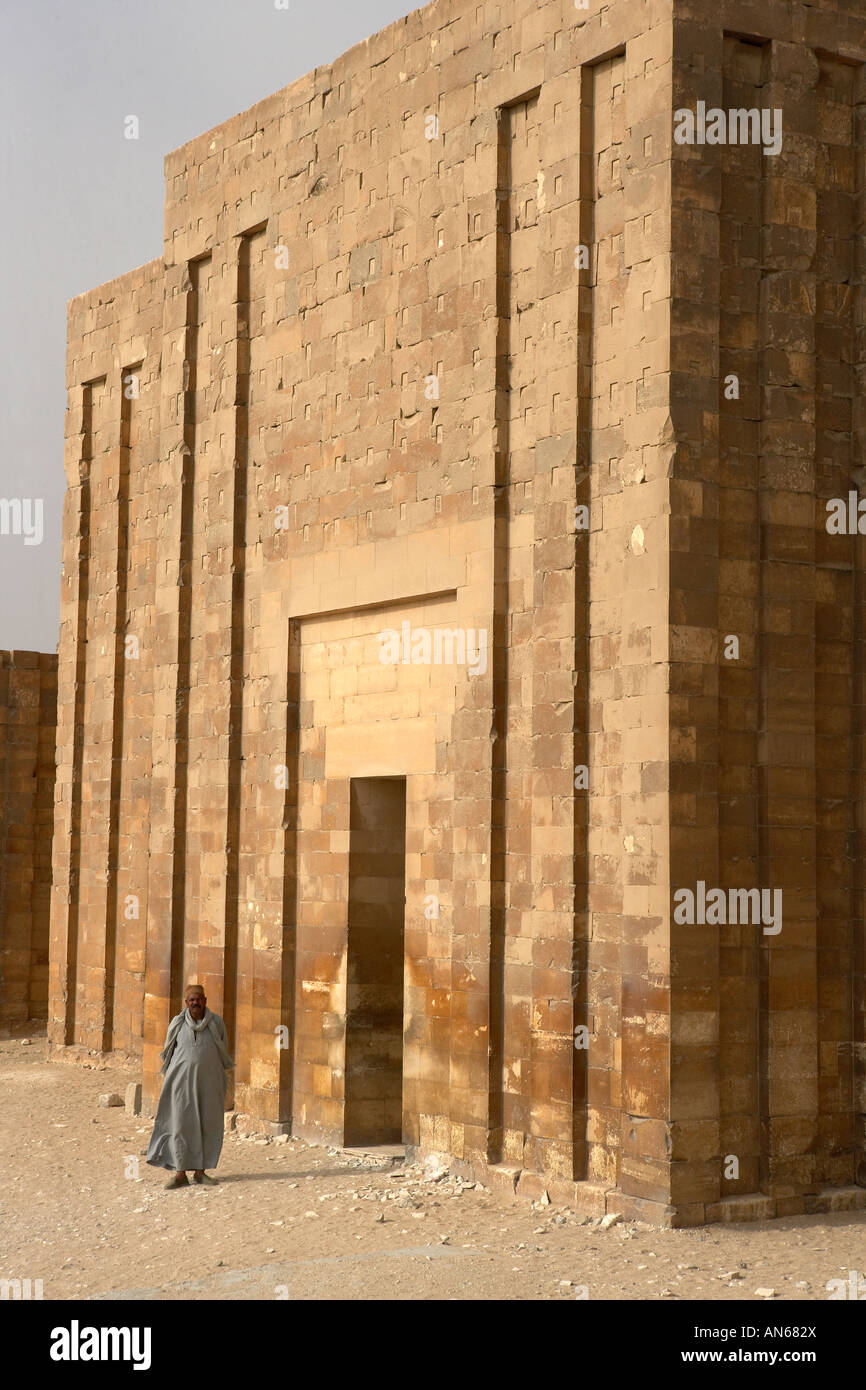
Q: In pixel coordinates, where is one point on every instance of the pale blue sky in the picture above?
(82, 204)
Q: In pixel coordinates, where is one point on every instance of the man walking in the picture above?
(188, 1131)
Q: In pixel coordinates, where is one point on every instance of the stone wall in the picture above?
(110, 651)
(414, 314)
(28, 719)
(767, 773)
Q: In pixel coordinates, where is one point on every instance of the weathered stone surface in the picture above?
(326, 460)
(28, 725)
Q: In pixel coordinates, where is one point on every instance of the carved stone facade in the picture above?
(414, 495)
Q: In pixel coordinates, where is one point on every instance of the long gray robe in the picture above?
(188, 1131)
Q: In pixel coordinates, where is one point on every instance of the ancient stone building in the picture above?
(449, 603)
(28, 719)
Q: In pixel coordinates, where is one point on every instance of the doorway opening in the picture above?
(374, 987)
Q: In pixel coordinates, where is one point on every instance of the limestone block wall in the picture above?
(383, 360)
(109, 658)
(437, 344)
(767, 1062)
(28, 718)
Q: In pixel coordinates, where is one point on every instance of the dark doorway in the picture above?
(374, 990)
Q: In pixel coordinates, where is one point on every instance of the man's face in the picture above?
(196, 1002)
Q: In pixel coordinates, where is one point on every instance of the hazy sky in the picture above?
(82, 204)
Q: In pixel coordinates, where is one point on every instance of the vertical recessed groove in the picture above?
(112, 907)
(741, 784)
(857, 982)
(80, 640)
(290, 875)
(496, 1037)
(761, 678)
(608, 1021)
(858, 793)
(857, 979)
(789, 1015)
(184, 645)
(236, 636)
(836, 677)
(583, 425)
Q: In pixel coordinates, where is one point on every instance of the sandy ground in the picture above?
(293, 1221)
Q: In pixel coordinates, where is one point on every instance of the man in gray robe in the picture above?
(188, 1131)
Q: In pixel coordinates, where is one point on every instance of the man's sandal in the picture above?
(205, 1180)
(179, 1180)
